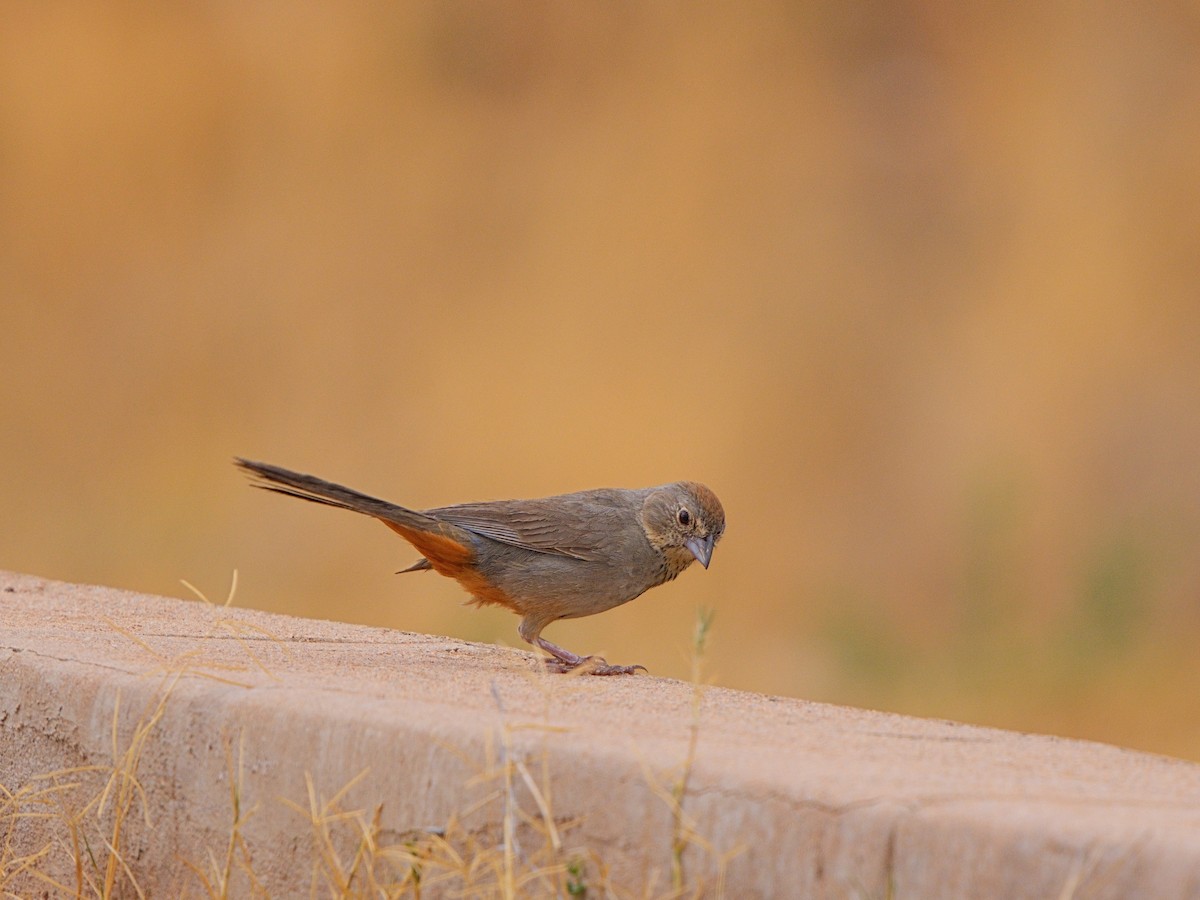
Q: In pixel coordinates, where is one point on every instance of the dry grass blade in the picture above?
(217, 879)
(237, 629)
(323, 817)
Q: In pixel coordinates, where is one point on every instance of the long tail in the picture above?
(447, 548)
(317, 490)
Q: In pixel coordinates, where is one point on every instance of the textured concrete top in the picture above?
(476, 744)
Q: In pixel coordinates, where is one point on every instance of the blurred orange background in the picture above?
(914, 289)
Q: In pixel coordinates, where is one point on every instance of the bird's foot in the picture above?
(591, 665)
(563, 661)
(605, 669)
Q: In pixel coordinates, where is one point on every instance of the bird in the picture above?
(560, 557)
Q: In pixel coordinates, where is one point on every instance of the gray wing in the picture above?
(582, 526)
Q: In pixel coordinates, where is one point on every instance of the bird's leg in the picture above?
(566, 661)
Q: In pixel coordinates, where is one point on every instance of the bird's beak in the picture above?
(701, 549)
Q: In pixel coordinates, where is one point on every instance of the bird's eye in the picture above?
(684, 517)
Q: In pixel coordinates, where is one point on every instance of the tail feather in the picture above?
(446, 547)
(317, 490)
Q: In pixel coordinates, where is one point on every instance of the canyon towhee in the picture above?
(555, 558)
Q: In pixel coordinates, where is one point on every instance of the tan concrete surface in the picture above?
(800, 799)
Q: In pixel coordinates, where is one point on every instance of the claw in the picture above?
(563, 661)
(591, 665)
(617, 670)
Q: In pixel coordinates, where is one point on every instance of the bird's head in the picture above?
(684, 521)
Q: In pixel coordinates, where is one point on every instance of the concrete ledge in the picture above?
(403, 750)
